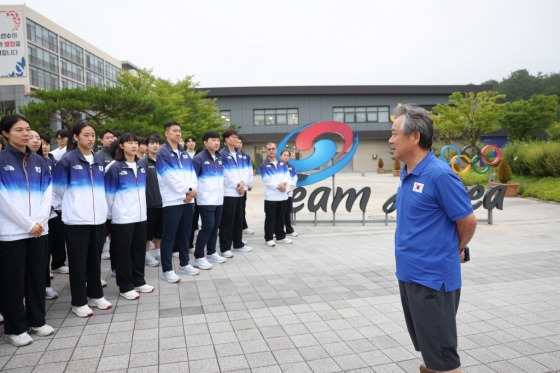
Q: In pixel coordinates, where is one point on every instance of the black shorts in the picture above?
(430, 317)
(154, 225)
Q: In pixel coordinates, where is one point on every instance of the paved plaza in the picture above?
(326, 303)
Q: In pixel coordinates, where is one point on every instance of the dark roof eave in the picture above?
(344, 90)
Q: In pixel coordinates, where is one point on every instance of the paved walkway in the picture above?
(327, 303)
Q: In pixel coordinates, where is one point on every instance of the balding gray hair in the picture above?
(416, 119)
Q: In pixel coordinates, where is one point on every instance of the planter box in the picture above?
(511, 189)
(380, 171)
(397, 173)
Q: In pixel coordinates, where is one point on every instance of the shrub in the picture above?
(534, 158)
(253, 164)
(397, 165)
(380, 163)
(504, 172)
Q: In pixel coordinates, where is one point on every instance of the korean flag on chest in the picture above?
(418, 187)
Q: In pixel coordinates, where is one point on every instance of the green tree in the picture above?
(447, 123)
(471, 114)
(104, 107)
(523, 118)
(553, 131)
(175, 102)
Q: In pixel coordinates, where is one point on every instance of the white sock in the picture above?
(148, 255)
(157, 251)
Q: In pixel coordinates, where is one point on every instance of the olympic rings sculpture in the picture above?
(471, 163)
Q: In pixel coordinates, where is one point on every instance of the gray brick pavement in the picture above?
(327, 303)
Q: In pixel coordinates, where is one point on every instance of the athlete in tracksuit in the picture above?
(276, 178)
(25, 206)
(248, 172)
(209, 170)
(231, 226)
(125, 191)
(178, 184)
(285, 156)
(79, 191)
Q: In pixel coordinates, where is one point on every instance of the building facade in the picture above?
(267, 114)
(36, 53)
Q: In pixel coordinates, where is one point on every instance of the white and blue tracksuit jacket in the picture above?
(79, 189)
(272, 176)
(126, 193)
(210, 175)
(234, 172)
(247, 169)
(294, 177)
(25, 193)
(175, 175)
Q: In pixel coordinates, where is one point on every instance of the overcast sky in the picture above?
(304, 42)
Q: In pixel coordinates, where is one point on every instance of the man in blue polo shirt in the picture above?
(435, 222)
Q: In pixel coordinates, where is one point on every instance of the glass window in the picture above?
(71, 51)
(43, 79)
(95, 63)
(270, 117)
(339, 117)
(110, 83)
(111, 71)
(40, 35)
(43, 59)
(361, 114)
(70, 84)
(71, 70)
(225, 116)
(94, 79)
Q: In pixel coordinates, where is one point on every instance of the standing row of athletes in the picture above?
(75, 192)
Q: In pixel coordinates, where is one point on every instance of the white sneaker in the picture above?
(158, 258)
(51, 276)
(63, 270)
(83, 311)
(42, 331)
(270, 243)
(144, 288)
(248, 231)
(188, 270)
(170, 276)
(101, 303)
(176, 255)
(152, 246)
(191, 250)
(131, 295)
(243, 249)
(201, 263)
(50, 293)
(103, 283)
(215, 258)
(151, 261)
(294, 234)
(23, 339)
(285, 240)
(1, 319)
(227, 254)
(105, 254)
(245, 242)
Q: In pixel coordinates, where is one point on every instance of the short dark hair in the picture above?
(117, 133)
(286, 151)
(171, 124)
(229, 132)
(62, 133)
(161, 141)
(152, 138)
(126, 137)
(104, 132)
(8, 122)
(141, 141)
(190, 138)
(210, 135)
(113, 148)
(76, 129)
(45, 137)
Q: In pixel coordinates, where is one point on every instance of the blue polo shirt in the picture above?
(429, 201)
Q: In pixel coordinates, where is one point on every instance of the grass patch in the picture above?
(472, 178)
(545, 188)
(388, 171)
